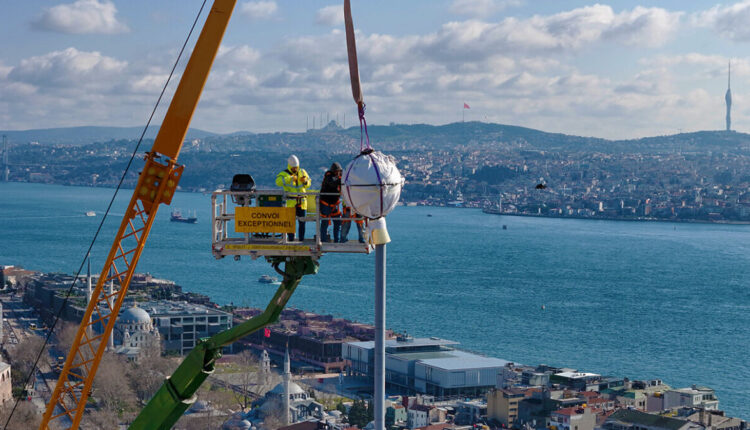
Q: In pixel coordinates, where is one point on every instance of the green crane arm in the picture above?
(178, 391)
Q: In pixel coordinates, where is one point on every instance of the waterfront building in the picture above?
(533, 378)
(427, 365)
(631, 419)
(581, 381)
(6, 388)
(575, 418)
(396, 414)
(702, 397)
(418, 416)
(502, 405)
(635, 399)
(314, 340)
(468, 411)
(182, 324)
(714, 420)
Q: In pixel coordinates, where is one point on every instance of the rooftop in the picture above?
(577, 375)
(632, 416)
(463, 360)
(167, 308)
(395, 344)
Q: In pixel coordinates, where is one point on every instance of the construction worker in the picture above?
(346, 224)
(330, 194)
(295, 181)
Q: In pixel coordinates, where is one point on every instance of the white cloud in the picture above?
(81, 17)
(644, 26)
(728, 21)
(481, 8)
(242, 55)
(330, 15)
(259, 10)
(66, 67)
(524, 71)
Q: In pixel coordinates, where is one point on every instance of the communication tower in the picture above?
(728, 98)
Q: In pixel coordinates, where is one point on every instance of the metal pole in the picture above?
(380, 257)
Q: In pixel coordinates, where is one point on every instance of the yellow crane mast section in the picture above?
(157, 184)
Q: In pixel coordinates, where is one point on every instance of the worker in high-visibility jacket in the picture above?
(295, 181)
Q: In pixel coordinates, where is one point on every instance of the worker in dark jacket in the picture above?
(330, 194)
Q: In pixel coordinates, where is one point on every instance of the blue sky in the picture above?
(616, 69)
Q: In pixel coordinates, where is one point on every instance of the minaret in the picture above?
(728, 98)
(88, 277)
(287, 382)
(111, 340)
(88, 292)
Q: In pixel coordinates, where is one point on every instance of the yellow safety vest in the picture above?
(285, 180)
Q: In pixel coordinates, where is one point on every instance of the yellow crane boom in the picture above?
(156, 185)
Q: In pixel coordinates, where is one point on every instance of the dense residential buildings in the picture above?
(431, 384)
(697, 176)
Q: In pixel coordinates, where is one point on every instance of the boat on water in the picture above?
(265, 279)
(178, 217)
(90, 213)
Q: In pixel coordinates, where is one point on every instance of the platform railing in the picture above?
(225, 241)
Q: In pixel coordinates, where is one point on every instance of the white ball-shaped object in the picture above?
(371, 184)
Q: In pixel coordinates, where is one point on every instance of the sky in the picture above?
(615, 69)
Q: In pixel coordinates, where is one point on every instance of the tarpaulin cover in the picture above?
(372, 184)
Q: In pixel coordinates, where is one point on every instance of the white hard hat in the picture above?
(293, 161)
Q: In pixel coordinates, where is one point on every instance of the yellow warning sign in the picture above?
(264, 220)
(251, 247)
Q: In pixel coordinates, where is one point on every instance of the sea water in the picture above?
(644, 300)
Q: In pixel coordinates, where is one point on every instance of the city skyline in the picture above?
(577, 68)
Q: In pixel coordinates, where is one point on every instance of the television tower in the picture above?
(728, 98)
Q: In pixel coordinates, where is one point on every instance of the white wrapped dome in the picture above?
(372, 184)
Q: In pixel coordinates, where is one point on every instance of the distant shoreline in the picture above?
(489, 212)
(676, 221)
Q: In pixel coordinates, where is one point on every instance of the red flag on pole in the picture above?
(466, 106)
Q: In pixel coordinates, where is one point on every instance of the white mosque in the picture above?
(286, 399)
(134, 331)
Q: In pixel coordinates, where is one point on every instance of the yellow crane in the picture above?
(157, 184)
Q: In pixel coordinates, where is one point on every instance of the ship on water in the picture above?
(178, 217)
(266, 279)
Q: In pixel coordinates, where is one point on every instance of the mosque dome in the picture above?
(199, 406)
(134, 315)
(293, 389)
(237, 422)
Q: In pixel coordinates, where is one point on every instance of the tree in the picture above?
(66, 334)
(251, 379)
(358, 414)
(110, 388)
(370, 412)
(100, 419)
(26, 415)
(148, 374)
(22, 360)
